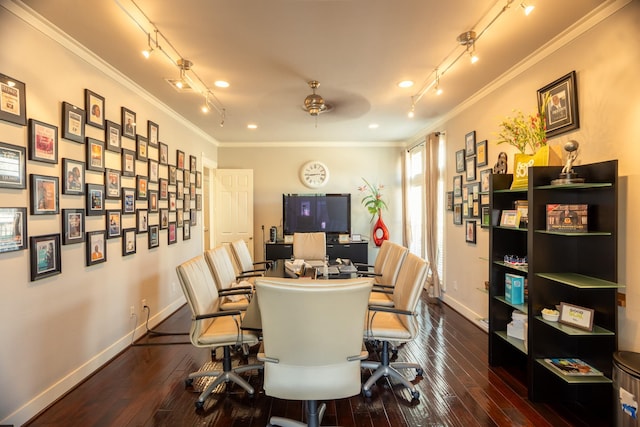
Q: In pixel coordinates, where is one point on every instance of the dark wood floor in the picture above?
(144, 386)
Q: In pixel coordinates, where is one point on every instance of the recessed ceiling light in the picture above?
(252, 126)
(374, 126)
(221, 83)
(405, 83)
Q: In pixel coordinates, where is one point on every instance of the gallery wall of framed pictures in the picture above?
(121, 175)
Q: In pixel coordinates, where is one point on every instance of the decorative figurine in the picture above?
(568, 176)
(501, 164)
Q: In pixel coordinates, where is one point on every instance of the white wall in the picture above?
(605, 58)
(54, 332)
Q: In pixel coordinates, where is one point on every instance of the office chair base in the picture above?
(389, 369)
(314, 412)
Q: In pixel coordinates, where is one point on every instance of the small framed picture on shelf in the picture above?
(470, 144)
(14, 109)
(14, 229)
(576, 316)
(510, 218)
(470, 235)
(96, 248)
(45, 256)
(72, 122)
(112, 136)
(94, 107)
(481, 153)
(128, 241)
(486, 217)
(43, 142)
(12, 157)
(44, 194)
(471, 168)
(72, 226)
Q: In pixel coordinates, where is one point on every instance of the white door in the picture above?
(234, 206)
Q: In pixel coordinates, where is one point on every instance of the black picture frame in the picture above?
(173, 175)
(128, 241)
(14, 160)
(128, 162)
(45, 259)
(72, 226)
(470, 144)
(460, 164)
(95, 200)
(172, 201)
(186, 230)
(142, 187)
(153, 201)
(449, 201)
(179, 218)
(154, 172)
(485, 177)
(73, 118)
(142, 148)
(481, 153)
(164, 218)
(186, 203)
(14, 100)
(94, 108)
(186, 179)
(128, 201)
(457, 214)
(142, 221)
(193, 164)
(72, 177)
(180, 159)
(470, 231)
(164, 154)
(199, 201)
(13, 223)
(95, 155)
(128, 123)
(193, 218)
(180, 189)
(154, 236)
(172, 233)
(113, 223)
(485, 217)
(96, 247)
(112, 181)
(198, 179)
(470, 168)
(153, 134)
(113, 136)
(457, 185)
(163, 189)
(561, 112)
(44, 194)
(43, 142)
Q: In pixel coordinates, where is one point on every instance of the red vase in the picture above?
(380, 231)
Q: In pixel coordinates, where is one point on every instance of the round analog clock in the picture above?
(314, 174)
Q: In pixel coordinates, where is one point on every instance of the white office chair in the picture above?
(385, 281)
(212, 328)
(246, 265)
(225, 279)
(309, 246)
(312, 340)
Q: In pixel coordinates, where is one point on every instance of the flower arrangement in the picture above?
(525, 132)
(373, 198)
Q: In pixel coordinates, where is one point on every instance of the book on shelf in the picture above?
(567, 218)
(514, 288)
(573, 367)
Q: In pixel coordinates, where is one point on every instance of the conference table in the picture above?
(252, 320)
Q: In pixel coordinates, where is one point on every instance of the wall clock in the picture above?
(314, 174)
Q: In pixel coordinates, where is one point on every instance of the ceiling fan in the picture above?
(314, 104)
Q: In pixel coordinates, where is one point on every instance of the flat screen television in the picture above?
(330, 213)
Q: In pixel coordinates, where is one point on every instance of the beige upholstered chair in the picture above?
(386, 280)
(397, 324)
(309, 246)
(225, 279)
(244, 262)
(376, 268)
(312, 340)
(211, 327)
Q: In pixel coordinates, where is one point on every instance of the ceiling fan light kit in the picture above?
(314, 104)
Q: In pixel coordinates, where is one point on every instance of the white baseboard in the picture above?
(465, 311)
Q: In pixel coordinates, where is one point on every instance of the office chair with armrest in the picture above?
(246, 265)
(376, 268)
(224, 276)
(312, 340)
(397, 323)
(385, 282)
(310, 246)
(212, 328)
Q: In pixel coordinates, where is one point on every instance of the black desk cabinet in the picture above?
(355, 251)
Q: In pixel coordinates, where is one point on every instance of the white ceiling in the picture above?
(358, 49)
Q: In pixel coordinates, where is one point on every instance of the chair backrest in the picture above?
(242, 255)
(200, 292)
(221, 266)
(392, 264)
(312, 246)
(382, 256)
(312, 328)
(411, 281)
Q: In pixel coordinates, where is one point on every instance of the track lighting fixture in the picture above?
(468, 40)
(527, 8)
(151, 45)
(437, 88)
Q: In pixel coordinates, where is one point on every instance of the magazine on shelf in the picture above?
(574, 367)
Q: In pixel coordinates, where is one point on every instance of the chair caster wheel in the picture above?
(367, 393)
(199, 405)
(394, 352)
(188, 382)
(415, 394)
(419, 372)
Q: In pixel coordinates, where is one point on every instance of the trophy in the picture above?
(568, 176)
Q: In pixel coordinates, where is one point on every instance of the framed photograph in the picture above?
(142, 187)
(460, 161)
(128, 123)
(180, 189)
(510, 218)
(473, 191)
(72, 177)
(457, 214)
(154, 236)
(576, 316)
(172, 202)
(95, 200)
(186, 179)
(114, 223)
(173, 175)
(457, 185)
(193, 163)
(470, 143)
(128, 201)
(112, 136)
(449, 201)
(153, 171)
(485, 176)
(561, 109)
(471, 168)
(142, 148)
(142, 221)
(172, 234)
(481, 153)
(13, 170)
(128, 163)
(96, 248)
(153, 201)
(128, 241)
(186, 230)
(470, 235)
(44, 194)
(198, 179)
(199, 201)
(13, 223)
(180, 159)
(164, 189)
(95, 155)
(112, 181)
(13, 100)
(164, 218)
(179, 218)
(43, 142)
(186, 204)
(193, 217)
(45, 256)
(485, 217)
(72, 122)
(94, 106)
(72, 226)
(164, 154)
(153, 133)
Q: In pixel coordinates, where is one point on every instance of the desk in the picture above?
(355, 251)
